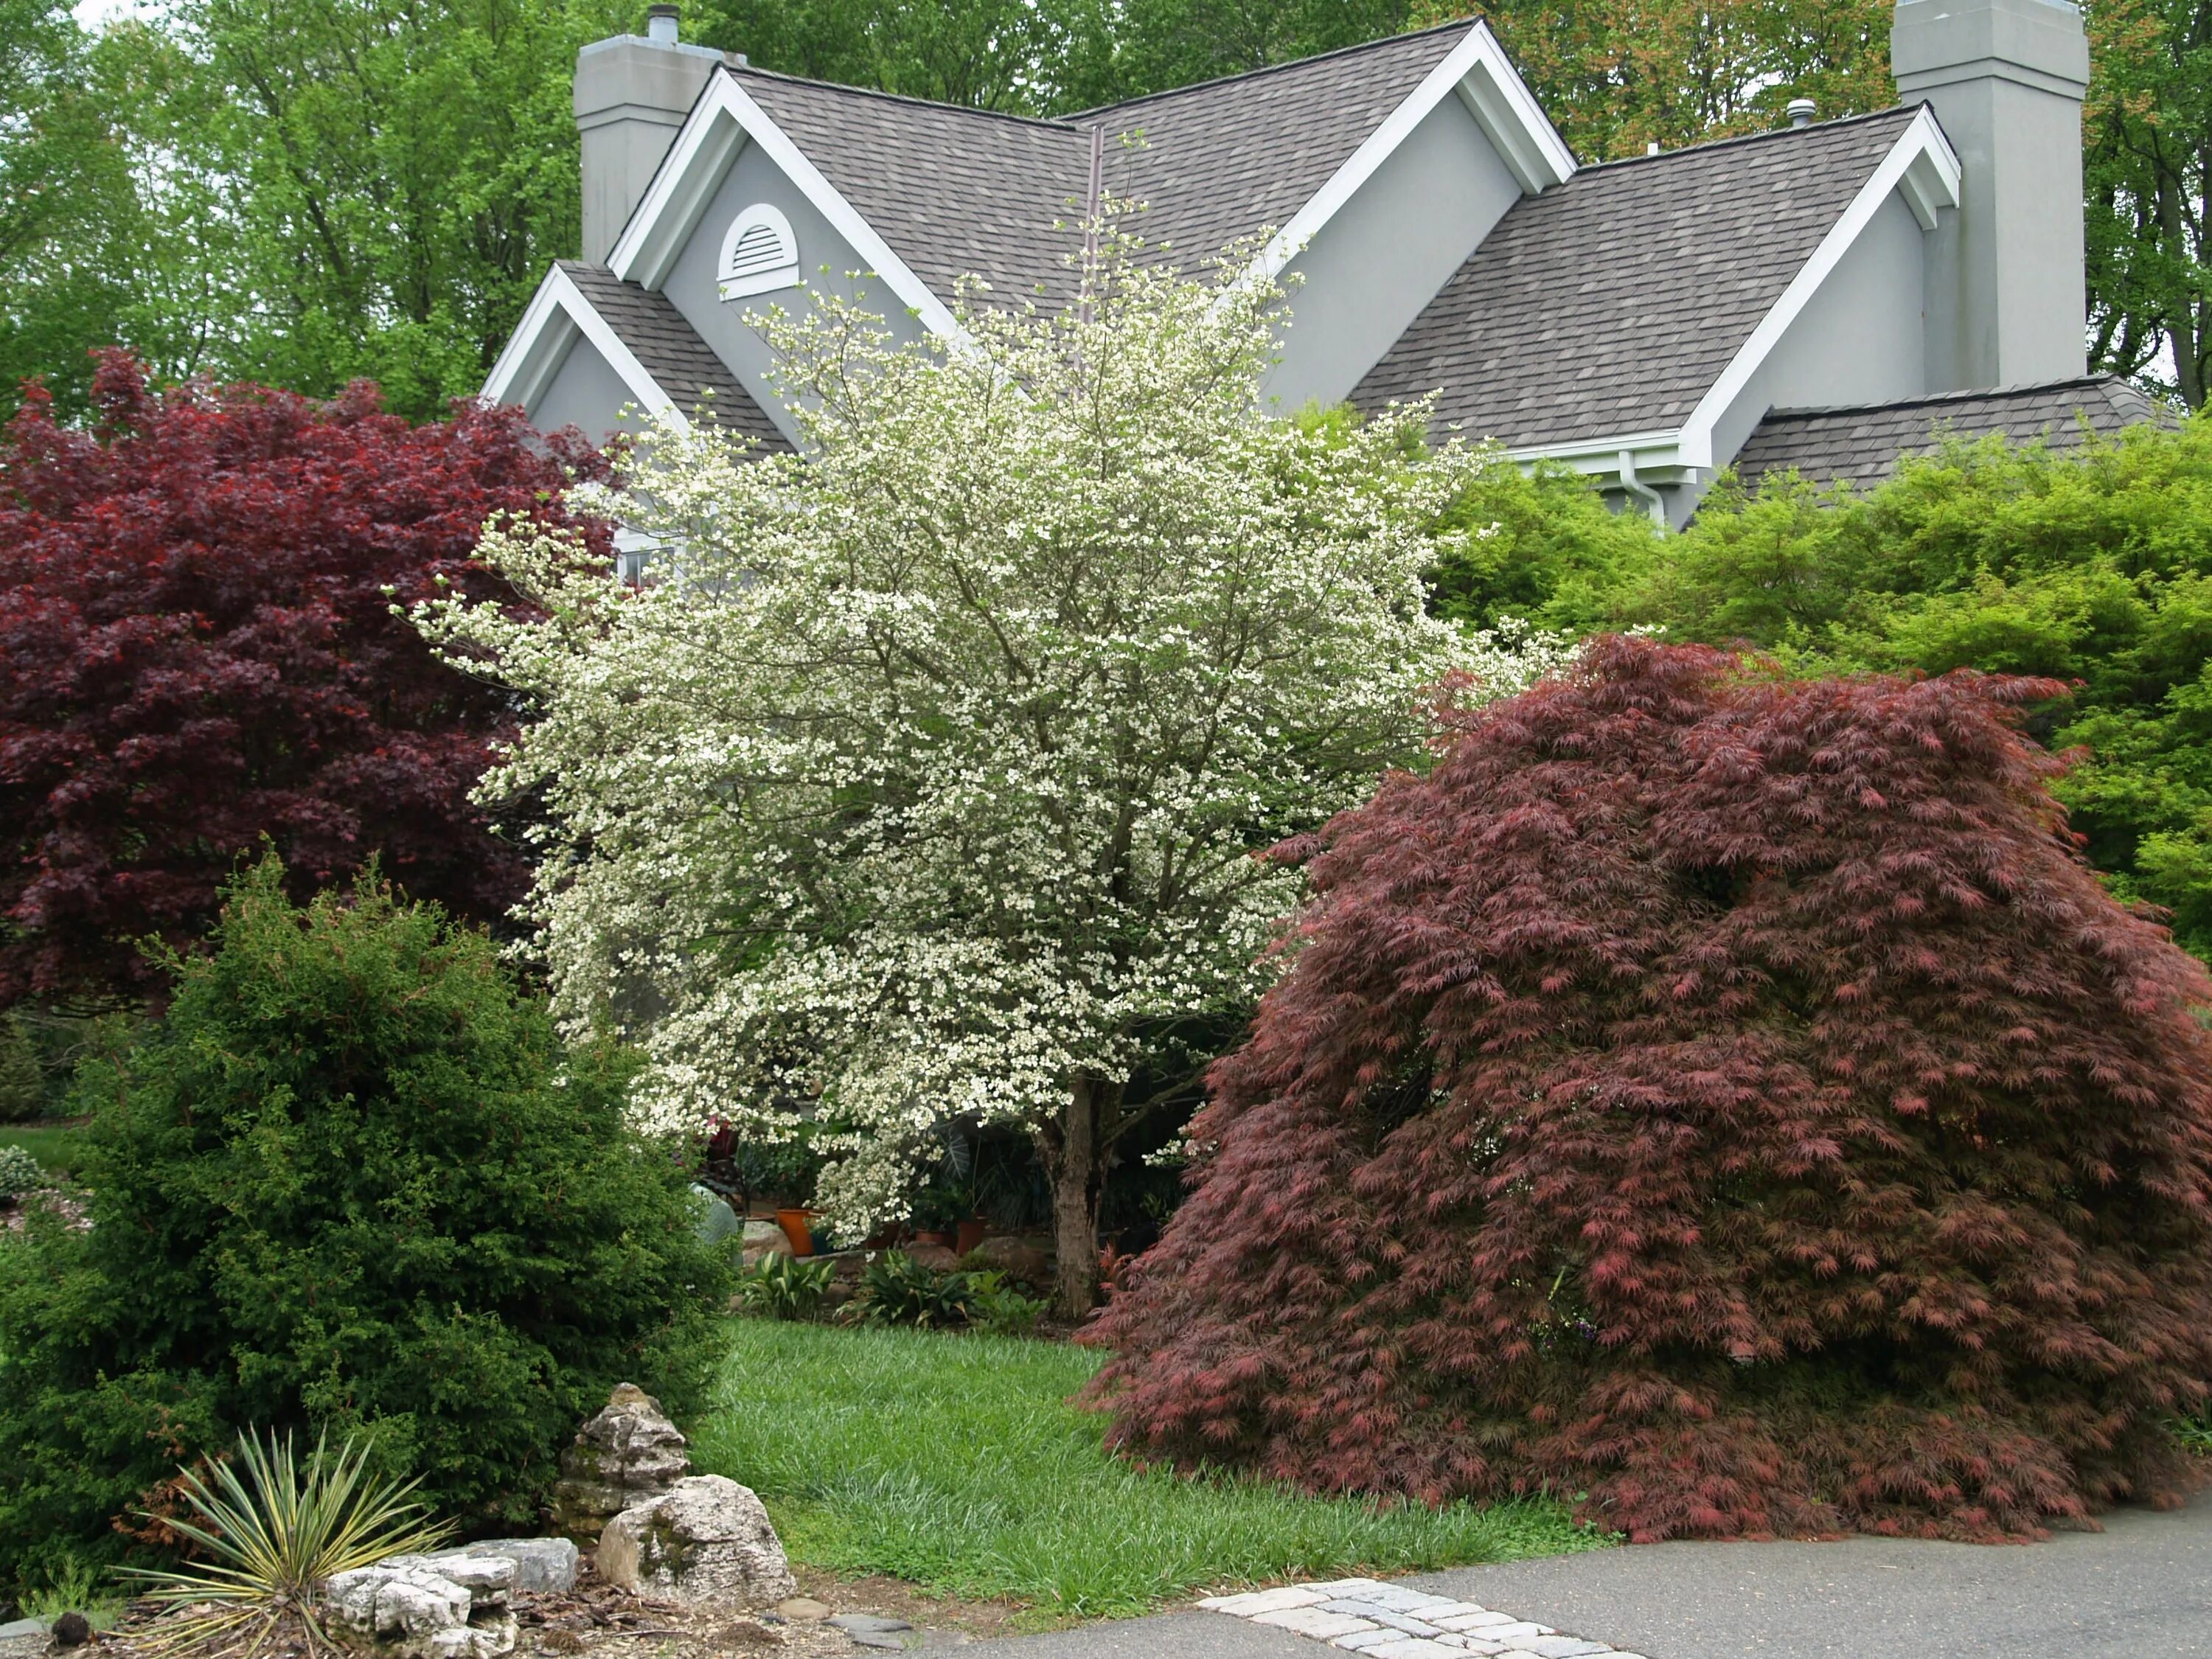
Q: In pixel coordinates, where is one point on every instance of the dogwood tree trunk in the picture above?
(1075, 1157)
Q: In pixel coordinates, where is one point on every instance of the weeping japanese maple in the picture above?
(1727, 1098)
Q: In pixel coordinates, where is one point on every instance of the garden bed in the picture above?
(955, 1463)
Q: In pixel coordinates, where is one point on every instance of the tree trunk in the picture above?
(1073, 1157)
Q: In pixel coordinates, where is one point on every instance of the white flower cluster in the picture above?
(929, 770)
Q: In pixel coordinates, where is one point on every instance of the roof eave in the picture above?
(558, 313)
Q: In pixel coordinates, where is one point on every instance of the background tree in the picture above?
(944, 754)
(197, 651)
(1727, 1098)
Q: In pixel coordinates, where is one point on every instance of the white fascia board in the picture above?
(1478, 71)
(724, 120)
(1652, 452)
(557, 315)
(1923, 168)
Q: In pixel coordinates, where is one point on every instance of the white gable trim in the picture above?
(1478, 71)
(1922, 167)
(724, 120)
(557, 316)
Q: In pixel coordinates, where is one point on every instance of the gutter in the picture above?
(1643, 492)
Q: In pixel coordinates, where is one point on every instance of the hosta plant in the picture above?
(896, 1290)
(270, 1528)
(786, 1286)
(1729, 1098)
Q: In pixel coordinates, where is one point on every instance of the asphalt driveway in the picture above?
(2142, 1587)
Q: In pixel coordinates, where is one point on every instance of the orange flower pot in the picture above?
(794, 1224)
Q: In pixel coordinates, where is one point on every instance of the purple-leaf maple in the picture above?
(1728, 1097)
(197, 651)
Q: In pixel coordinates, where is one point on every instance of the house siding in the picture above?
(826, 261)
(1859, 341)
(586, 393)
(1384, 255)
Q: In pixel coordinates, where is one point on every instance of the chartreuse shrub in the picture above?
(2092, 566)
(353, 1183)
(1728, 1097)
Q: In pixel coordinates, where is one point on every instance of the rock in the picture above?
(804, 1609)
(1018, 1260)
(717, 1220)
(937, 1257)
(869, 1624)
(37, 1628)
(630, 1454)
(707, 1539)
(762, 1240)
(544, 1565)
(72, 1630)
(413, 1607)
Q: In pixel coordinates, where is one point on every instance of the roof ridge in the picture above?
(2101, 381)
(1060, 123)
(1458, 23)
(1743, 138)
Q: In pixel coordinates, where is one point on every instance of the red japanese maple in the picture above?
(197, 650)
(1729, 1098)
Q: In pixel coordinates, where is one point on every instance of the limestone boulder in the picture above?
(763, 1239)
(1019, 1259)
(413, 1607)
(706, 1540)
(542, 1565)
(628, 1454)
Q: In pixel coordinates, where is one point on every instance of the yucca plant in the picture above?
(274, 1528)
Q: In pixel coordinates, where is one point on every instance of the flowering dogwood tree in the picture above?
(929, 778)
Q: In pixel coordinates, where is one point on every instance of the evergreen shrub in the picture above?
(1728, 1099)
(353, 1183)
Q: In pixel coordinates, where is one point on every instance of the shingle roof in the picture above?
(954, 191)
(1227, 158)
(959, 192)
(681, 363)
(1611, 303)
(1862, 446)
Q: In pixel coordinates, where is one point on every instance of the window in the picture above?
(759, 253)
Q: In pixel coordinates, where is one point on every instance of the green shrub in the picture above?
(997, 1307)
(353, 1183)
(22, 1080)
(896, 1290)
(19, 1173)
(786, 1287)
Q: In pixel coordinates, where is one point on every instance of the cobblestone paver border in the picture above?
(1382, 1621)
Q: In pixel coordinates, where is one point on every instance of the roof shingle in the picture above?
(681, 363)
(1611, 303)
(960, 191)
(1862, 446)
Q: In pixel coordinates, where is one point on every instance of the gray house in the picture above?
(1823, 296)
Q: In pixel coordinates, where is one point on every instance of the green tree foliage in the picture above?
(354, 1181)
(2148, 163)
(2095, 568)
(1615, 76)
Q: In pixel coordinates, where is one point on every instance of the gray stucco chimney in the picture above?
(632, 94)
(2005, 292)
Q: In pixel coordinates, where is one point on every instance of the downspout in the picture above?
(1643, 492)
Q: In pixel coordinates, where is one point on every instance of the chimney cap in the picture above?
(664, 23)
(1802, 112)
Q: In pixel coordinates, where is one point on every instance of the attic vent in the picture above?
(759, 253)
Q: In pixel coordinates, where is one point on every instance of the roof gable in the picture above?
(1614, 304)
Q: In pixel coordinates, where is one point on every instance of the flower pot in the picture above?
(938, 1236)
(793, 1223)
(971, 1234)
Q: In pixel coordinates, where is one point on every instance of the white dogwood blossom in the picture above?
(927, 776)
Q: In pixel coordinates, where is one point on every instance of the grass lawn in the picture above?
(54, 1145)
(955, 1462)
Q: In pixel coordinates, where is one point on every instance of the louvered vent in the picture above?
(759, 253)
